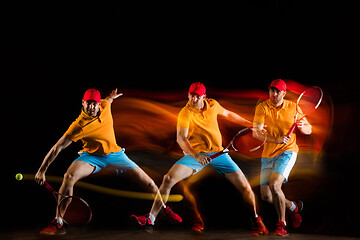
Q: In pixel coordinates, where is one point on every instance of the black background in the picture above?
(53, 52)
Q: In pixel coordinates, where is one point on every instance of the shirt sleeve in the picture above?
(259, 114)
(219, 108)
(183, 119)
(104, 103)
(74, 132)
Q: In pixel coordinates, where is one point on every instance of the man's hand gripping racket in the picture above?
(246, 140)
(308, 101)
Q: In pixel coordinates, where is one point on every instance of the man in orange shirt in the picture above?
(94, 127)
(280, 151)
(199, 136)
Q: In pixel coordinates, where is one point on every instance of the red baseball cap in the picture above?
(92, 94)
(279, 84)
(197, 88)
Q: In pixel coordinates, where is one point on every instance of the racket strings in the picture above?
(309, 100)
(75, 210)
(245, 142)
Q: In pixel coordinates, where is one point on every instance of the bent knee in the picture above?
(69, 178)
(247, 189)
(169, 180)
(275, 187)
(266, 197)
(152, 186)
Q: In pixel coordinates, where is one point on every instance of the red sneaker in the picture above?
(54, 228)
(281, 229)
(198, 225)
(171, 215)
(143, 221)
(259, 228)
(295, 215)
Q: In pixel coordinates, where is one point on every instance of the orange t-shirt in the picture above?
(278, 121)
(96, 133)
(204, 133)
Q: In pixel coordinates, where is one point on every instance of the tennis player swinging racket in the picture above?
(199, 136)
(94, 128)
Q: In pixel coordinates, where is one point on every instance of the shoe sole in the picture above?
(149, 229)
(198, 230)
(259, 234)
(52, 234)
(281, 235)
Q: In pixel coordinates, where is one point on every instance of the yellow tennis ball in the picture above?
(19, 176)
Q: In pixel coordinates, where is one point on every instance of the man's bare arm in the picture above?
(181, 138)
(235, 118)
(113, 95)
(61, 144)
(269, 139)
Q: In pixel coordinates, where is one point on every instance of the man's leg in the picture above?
(225, 165)
(279, 200)
(138, 175)
(183, 168)
(282, 168)
(177, 173)
(278, 173)
(266, 195)
(239, 180)
(76, 171)
(231, 171)
(198, 224)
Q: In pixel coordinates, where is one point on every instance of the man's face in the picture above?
(91, 107)
(195, 99)
(276, 96)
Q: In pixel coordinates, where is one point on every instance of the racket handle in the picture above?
(216, 155)
(291, 129)
(48, 187)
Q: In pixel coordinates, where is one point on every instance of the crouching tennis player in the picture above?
(94, 127)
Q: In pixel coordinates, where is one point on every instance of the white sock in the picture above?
(293, 206)
(59, 220)
(152, 218)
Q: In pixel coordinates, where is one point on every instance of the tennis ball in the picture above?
(19, 176)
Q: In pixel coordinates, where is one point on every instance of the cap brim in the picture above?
(276, 88)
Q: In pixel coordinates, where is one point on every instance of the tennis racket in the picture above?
(308, 101)
(245, 141)
(72, 209)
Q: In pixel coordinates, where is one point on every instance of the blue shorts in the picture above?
(118, 161)
(222, 164)
(281, 164)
